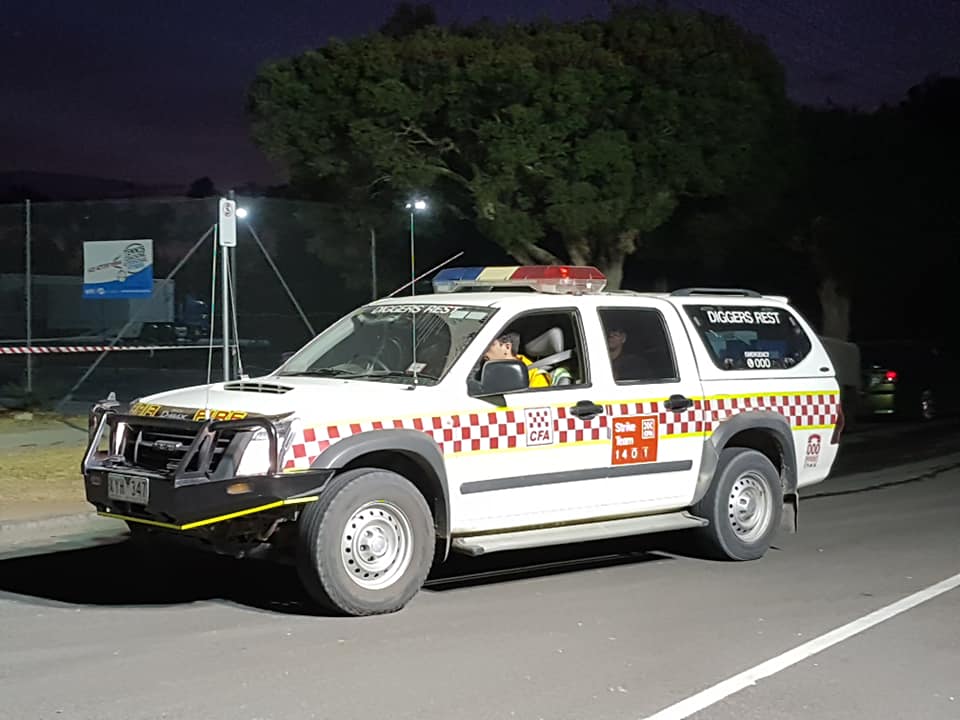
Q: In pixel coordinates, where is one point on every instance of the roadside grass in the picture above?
(41, 475)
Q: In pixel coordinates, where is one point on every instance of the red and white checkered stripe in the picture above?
(670, 423)
(504, 429)
(571, 429)
(60, 349)
(800, 410)
(469, 432)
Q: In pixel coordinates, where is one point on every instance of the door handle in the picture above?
(678, 403)
(585, 410)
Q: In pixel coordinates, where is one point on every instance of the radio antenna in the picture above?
(422, 275)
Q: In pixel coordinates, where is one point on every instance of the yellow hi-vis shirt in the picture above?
(538, 378)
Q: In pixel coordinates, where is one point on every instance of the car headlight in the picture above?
(256, 456)
(119, 436)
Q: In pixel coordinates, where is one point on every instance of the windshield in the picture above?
(376, 343)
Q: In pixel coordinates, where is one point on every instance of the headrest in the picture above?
(549, 343)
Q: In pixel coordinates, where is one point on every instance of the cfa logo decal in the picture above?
(538, 426)
(813, 451)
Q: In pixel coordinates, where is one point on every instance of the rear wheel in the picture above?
(928, 405)
(744, 505)
(367, 545)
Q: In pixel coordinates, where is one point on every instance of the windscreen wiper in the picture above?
(388, 374)
(319, 372)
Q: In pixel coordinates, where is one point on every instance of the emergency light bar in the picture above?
(574, 279)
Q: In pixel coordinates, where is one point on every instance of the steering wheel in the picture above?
(375, 362)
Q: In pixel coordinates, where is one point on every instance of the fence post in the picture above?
(28, 291)
(373, 263)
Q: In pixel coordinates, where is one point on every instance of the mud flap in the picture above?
(789, 519)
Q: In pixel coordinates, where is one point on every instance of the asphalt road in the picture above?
(613, 630)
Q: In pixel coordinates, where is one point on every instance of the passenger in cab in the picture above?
(626, 366)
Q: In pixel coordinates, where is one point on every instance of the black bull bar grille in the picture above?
(183, 450)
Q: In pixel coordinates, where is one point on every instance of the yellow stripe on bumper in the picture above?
(213, 520)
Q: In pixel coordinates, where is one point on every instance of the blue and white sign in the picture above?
(118, 269)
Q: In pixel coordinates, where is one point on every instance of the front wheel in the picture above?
(366, 547)
(744, 505)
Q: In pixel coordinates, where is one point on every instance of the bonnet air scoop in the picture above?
(258, 387)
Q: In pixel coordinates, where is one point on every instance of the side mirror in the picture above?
(499, 377)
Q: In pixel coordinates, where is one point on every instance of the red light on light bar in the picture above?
(891, 376)
(557, 272)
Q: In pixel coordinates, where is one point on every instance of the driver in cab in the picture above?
(505, 348)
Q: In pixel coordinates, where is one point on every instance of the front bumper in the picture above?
(201, 490)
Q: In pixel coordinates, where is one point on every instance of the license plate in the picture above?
(128, 488)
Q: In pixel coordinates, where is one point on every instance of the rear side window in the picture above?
(638, 345)
(750, 337)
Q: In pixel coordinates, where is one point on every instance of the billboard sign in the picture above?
(118, 269)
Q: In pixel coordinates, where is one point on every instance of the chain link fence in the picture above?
(327, 258)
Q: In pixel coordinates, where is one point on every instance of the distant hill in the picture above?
(40, 186)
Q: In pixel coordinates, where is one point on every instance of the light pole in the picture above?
(413, 207)
(227, 221)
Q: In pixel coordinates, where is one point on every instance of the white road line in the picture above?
(713, 695)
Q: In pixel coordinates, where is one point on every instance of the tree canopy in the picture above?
(561, 142)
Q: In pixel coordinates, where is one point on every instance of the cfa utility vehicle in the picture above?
(513, 408)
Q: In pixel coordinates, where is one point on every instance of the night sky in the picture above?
(153, 91)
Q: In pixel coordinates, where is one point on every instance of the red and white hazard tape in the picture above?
(56, 349)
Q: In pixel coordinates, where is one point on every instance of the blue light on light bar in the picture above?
(449, 278)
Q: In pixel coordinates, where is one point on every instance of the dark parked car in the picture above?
(910, 380)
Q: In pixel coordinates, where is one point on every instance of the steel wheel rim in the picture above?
(750, 506)
(377, 545)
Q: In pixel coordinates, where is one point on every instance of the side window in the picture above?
(549, 343)
(750, 337)
(639, 346)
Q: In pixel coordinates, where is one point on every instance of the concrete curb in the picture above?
(53, 522)
(893, 476)
(866, 433)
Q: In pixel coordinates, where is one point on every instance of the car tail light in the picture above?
(891, 376)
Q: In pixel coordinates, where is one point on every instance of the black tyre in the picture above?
(744, 505)
(928, 405)
(367, 545)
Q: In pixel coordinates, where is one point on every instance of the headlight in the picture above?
(116, 442)
(256, 456)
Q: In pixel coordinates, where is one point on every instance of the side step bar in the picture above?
(564, 534)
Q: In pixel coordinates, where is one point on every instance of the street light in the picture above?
(241, 213)
(413, 207)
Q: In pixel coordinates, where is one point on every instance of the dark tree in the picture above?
(560, 142)
(408, 18)
(202, 188)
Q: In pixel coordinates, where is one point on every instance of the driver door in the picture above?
(541, 457)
